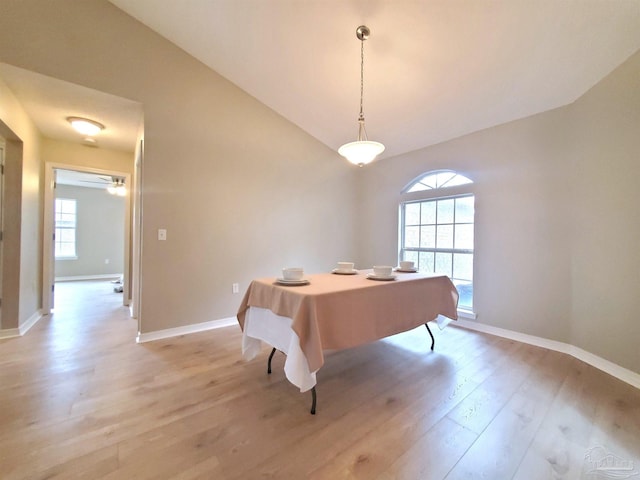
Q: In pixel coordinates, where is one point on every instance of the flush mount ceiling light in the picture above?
(362, 151)
(85, 126)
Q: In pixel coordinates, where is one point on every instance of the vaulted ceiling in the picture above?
(434, 69)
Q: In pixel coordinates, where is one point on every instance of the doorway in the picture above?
(104, 243)
(89, 213)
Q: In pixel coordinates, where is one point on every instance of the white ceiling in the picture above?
(49, 102)
(83, 179)
(434, 69)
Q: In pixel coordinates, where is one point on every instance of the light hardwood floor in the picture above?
(80, 399)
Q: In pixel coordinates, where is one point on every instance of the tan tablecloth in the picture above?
(335, 312)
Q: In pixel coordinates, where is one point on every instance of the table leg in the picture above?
(313, 401)
(271, 356)
(433, 342)
(313, 390)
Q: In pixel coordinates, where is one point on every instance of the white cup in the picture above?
(407, 265)
(345, 266)
(382, 270)
(292, 273)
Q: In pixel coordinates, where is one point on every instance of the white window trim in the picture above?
(408, 186)
(466, 313)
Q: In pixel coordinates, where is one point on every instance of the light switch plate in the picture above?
(162, 234)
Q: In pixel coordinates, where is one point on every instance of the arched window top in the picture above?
(436, 179)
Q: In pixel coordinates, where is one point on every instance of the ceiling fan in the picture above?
(114, 185)
(101, 180)
(117, 187)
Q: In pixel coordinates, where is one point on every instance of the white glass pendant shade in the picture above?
(361, 152)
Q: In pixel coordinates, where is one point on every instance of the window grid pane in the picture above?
(463, 238)
(428, 213)
(428, 236)
(444, 264)
(65, 227)
(445, 209)
(411, 256)
(444, 239)
(426, 263)
(412, 237)
(463, 266)
(412, 214)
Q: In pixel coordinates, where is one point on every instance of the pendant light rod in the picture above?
(362, 32)
(362, 151)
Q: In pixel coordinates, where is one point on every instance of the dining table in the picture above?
(329, 311)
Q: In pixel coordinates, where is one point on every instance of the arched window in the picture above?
(438, 179)
(437, 228)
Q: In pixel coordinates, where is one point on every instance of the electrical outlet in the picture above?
(235, 288)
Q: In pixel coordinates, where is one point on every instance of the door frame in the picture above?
(48, 256)
(3, 149)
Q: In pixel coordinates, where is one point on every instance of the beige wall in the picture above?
(99, 233)
(78, 155)
(22, 200)
(557, 222)
(605, 213)
(241, 191)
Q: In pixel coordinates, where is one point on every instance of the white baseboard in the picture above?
(31, 321)
(9, 333)
(185, 330)
(102, 276)
(624, 374)
(22, 329)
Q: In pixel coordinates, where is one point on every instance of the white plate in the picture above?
(409, 270)
(340, 271)
(292, 283)
(384, 278)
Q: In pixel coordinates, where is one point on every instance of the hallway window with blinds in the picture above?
(437, 229)
(65, 228)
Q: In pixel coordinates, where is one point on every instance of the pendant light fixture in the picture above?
(362, 151)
